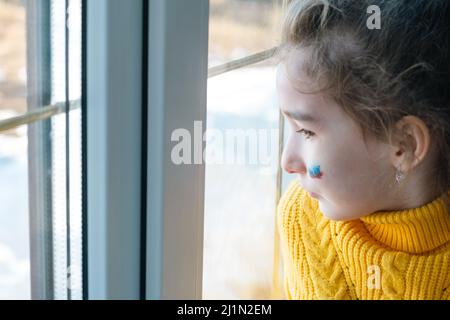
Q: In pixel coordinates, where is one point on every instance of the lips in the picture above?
(314, 195)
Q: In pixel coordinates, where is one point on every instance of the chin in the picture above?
(336, 216)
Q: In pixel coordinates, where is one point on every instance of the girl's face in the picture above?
(348, 177)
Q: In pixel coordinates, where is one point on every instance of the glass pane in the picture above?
(239, 28)
(66, 151)
(14, 235)
(240, 191)
(40, 163)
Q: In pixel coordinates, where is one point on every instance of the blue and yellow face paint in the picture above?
(315, 172)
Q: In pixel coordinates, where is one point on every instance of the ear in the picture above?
(411, 143)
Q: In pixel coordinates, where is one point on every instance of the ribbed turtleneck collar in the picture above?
(415, 230)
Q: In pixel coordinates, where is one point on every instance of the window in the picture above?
(242, 174)
(91, 202)
(41, 149)
(14, 237)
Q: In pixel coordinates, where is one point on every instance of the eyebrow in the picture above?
(304, 117)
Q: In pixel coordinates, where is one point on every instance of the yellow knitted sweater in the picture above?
(386, 255)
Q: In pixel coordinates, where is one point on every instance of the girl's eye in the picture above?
(307, 133)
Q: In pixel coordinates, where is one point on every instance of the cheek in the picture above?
(345, 185)
(345, 168)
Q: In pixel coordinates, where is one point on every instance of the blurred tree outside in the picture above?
(12, 58)
(242, 27)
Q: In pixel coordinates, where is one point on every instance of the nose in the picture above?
(291, 160)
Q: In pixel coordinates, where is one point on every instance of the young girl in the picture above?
(369, 109)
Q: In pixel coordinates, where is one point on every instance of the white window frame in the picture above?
(178, 71)
(114, 110)
(39, 149)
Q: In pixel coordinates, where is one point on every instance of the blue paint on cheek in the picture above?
(315, 172)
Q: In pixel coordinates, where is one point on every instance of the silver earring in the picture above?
(399, 176)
